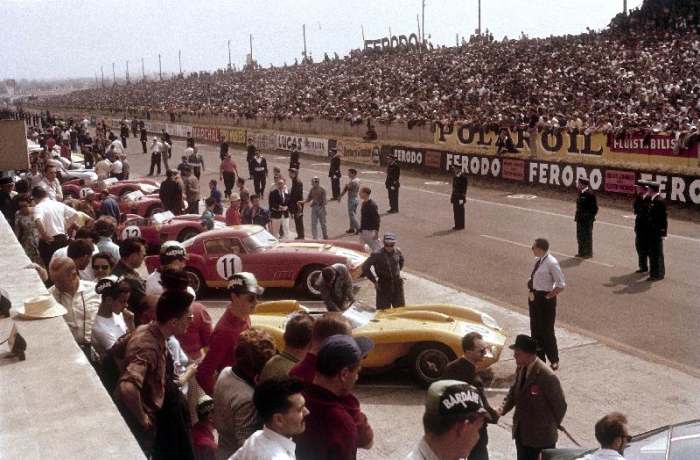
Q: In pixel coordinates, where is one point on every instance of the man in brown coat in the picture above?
(538, 400)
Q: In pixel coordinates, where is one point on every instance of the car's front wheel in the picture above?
(308, 280)
(155, 209)
(428, 361)
(196, 281)
(187, 233)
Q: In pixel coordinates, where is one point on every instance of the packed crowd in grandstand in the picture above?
(636, 74)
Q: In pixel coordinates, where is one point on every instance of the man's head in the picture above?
(172, 255)
(174, 312)
(38, 193)
(540, 247)
(352, 172)
(524, 350)
(453, 416)
(298, 330)
(104, 228)
(338, 362)
(132, 252)
(280, 183)
(6, 184)
(255, 201)
(243, 291)
(64, 274)
(389, 242)
(281, 406)
(328, 275)
(582, 184)
(611, 432)
(187, 171)
(293, 173)
(115, 291)
(315, 181)
(254, 349)
(50, 173)
(102, 265)
(80, 251)
(240, 182)
(365, 192)
(474, 347)
(205, 408)
(331, 323)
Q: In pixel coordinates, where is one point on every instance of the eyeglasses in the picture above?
(100, 267)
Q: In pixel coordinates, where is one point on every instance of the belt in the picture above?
(541, 292)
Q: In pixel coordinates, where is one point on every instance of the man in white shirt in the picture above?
(78, 297)
(51, 184)
(81, 250)
(103, 168)
(282, 408)
(545, 284)
(611, 433)
(452, 420)
(116, 169)
(52, 219)
(172, 255)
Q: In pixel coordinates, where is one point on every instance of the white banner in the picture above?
(311, 145)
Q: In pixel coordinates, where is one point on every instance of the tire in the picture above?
(307, 280)
(71, 195)
(196, 281)
(428, 361)
(126, 190)
(187, 233)
(153, 210)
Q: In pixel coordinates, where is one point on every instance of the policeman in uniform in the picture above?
(459, 196)
(294, 158)
(641, 227)
(296, 202)
(393, 172)
(259, 169)
(335, 174)
(387, 263)
(658, 227)
(586, 210)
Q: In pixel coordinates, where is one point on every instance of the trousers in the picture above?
(657, 268)
(353, 203)
(155, 164)
(641, 244)
(369, 237)
(459, 214)
(390, 294)
(335, 187)
(543, 313)
(299, 225)
(393, 198)
(276, 224)
(526, 452)
(229, 182)
(584, 236)
(259, 184)
(318, 216)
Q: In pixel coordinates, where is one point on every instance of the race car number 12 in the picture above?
(227, 265)
(132, 231)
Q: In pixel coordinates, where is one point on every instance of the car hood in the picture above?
(354, 257)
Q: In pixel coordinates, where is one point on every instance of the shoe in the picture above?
(554, 366)
(457, 228)
(392, 211)
(350, 231)
(642, 270)
(655, 278)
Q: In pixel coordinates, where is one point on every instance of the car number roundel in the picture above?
(132, 231)
(227, 265)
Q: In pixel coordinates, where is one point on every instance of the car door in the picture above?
(224, 257)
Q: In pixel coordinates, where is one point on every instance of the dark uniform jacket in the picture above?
(144, 135)
(586, 206)
(658, 219)
(459, 188)
(294, 160)
(393, 172)
(539, 406)
(387, 266)
(276, 200)
(334, 169)
(296, 194)
(641, 214)
(170, 195)
(369, 216)
(258, 168)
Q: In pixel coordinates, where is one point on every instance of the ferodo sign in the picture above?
(478, 165)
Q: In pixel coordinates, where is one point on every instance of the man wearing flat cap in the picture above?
(586, 210)
(538, 399)
(387, 263)
(453, 417)
(642, 198)
(658, 228)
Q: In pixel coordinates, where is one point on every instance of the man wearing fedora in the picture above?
(538, 399)
(586, 210)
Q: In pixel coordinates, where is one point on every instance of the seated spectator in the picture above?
(203, 432)
(105, 228)
(256, 214)
(102, 265)
(297, 341)
(81, 252)
(77, 296)
(282, 409)
(132, 251)
(611, 433)
(451, 429)
(113, 320)
(235, 416)
(331, 431)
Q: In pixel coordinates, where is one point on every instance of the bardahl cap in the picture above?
(244, 283)
(453, 397)
(172, 250)
(108, 284)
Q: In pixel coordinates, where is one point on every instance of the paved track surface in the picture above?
(492, 258)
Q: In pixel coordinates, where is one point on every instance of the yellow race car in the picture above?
(422, 337)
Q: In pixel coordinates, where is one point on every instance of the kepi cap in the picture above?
(244, 283)
(340, 351)
(389, 238)
(453, 397)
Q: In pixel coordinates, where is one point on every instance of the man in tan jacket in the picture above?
(538, 400)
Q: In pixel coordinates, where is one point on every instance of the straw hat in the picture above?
(43, 306)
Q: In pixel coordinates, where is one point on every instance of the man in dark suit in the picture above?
(538, 400)
(459, 196)
(278, 201)
(335, 174)
(464, 369)
(393, 172)
(296, 199)
(658, 228)
(586, 210)
(641, 224)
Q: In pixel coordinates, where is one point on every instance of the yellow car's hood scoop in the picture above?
(422, 315)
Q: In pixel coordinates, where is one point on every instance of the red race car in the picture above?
(163, 227)
(215, 255)
(114, 187)
(140, 204)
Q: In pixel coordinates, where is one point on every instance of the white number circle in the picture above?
(132, 231)
(227, 265)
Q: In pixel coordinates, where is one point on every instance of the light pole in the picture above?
(114, 75)
(127, 71)
(624, 6)
(143, 71)
(229, 55)
(179, 59)
(303, 31)
(160, 68)
(479, 17)
(423, 23)
(102, 71)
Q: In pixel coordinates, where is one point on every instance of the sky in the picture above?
(44, 39)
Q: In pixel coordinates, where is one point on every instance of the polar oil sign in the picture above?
(474, 164)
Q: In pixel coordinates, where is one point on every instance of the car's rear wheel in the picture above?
(187, 233)
(155, 209)
(308, 280)
(428, 361)
(196, 281)
(126, 190)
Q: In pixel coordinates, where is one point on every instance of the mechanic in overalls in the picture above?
(387, 263)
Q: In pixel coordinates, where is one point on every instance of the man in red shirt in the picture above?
(329, 324)
(331, 430)
(243, 291)
(203, 438)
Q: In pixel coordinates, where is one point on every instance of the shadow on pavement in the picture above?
(442, 233)
(632, 283)
(570, 262)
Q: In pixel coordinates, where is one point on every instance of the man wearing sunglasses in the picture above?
(243, 292)
(464, 369)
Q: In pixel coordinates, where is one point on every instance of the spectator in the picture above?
(369, 220)
(279, 209)
(215, 194)
(227, 172)
(352, 188)
(243, 292)
(611, 433)
(196, 162)
(132, 251)
(103, 167)
(207, 218)
(297, 342)
(203, 432)
(80, 251)
(331, 432)
(452, 420)
(256, 214)
(156, 154)
(259, 174)
(78, 297)
(7, 204)
(53, 220)
(51, 184)
(296, 202)
(104, 228)
(282, 408)
(109, 206)
(244, 194)
(171, 193)
(191, 183)
(317, 198)
(26, 229)
(235, 416)
(102, 265)
(113, 319)
(172, 256)
(233, 213)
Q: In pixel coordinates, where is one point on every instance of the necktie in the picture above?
(537, 265)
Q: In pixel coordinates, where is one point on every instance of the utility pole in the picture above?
(229, 55)
(418, 22)
(479, 17)
(251, 49)
(624, 6)
(389, 32)
(102, 71)
(363, 34)
(96, 84)
(179, 59)
(127, 71)
(423, 22)
(160, 68)
(303, 31)
(143, 70)
(114, 75)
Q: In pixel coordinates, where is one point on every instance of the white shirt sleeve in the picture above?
(557, 274)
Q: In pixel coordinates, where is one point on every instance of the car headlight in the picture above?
(488, 321)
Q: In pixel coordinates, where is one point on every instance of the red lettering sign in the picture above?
(513, 170)
(617, 181)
